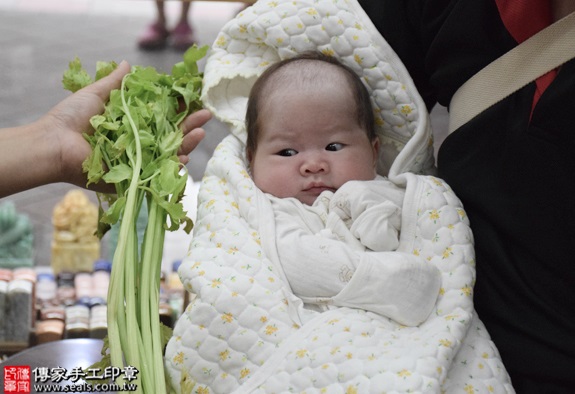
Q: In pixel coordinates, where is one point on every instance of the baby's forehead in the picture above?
(306, 73)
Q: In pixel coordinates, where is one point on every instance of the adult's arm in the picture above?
(53, 148)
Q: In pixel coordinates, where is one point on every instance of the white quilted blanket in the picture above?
(246, 331)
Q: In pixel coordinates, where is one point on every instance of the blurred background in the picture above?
(38, 38)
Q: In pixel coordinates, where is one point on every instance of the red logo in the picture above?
(17, 379)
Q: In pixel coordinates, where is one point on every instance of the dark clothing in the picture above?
(515, 177)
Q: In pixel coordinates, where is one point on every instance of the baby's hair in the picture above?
(360, 94)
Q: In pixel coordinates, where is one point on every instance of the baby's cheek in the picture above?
(265, 181)
(277, 179)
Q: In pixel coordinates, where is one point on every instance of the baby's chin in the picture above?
(309, 198)
(307, 201)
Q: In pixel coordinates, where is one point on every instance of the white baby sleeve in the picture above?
(315, 261)
(372, 212)
(400, 286)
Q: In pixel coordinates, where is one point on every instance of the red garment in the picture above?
(523, 19)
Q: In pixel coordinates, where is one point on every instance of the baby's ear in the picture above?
(249, 155)
(375, 146)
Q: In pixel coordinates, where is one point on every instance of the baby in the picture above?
(313, 149)
(311, 130)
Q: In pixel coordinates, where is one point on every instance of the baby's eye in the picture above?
(334, 146)
(287, 152)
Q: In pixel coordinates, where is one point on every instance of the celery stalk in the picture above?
(149, 301)
(135, 146)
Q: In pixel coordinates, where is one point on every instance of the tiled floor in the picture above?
(39, 37)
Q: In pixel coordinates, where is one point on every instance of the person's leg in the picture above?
(183, 34)
(186, 4)
(156, 35)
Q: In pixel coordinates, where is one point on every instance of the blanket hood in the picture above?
(270, 31)
(245, 331)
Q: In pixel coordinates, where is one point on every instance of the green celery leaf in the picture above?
(192, 56)
(104, 69)
(165, 333)
(150, 170)
(101, 365)
(174, 210)
(118, 173)
(143, 82)
(170, 143)
(178, 118)
(107, 199)
(119, 147)
(102, 228)
(179, 70)
(93, 166)
(179, 186)
(190, 96)
(188, 224)
(163, 184)
(75, 78)
(101, 121)
(114, 108)
(97, 120)
(176, 213)
(112, 215)
(147, 139)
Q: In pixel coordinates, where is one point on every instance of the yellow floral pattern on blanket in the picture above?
(240, 318)
(240, 330)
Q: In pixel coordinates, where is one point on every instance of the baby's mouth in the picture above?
(317, 188)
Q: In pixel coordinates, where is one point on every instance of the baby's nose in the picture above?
(314, 165)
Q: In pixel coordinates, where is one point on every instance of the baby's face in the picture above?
(309, 143)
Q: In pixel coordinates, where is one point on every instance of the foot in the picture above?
(154, 37)
(182, 37)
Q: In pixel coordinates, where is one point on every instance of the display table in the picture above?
(68, 354)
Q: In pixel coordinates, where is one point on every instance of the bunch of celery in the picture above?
(135, 146)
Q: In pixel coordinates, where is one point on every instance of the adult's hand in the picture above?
(53, 148)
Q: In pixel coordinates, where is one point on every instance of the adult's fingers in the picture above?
(195, 120)
(104, 86)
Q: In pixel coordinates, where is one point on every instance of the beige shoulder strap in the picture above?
(543, 52)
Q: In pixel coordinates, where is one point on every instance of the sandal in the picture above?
(154, 37)
(182, 37)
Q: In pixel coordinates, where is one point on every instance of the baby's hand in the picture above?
(371, 210)
(340, 205)
(352, 199)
